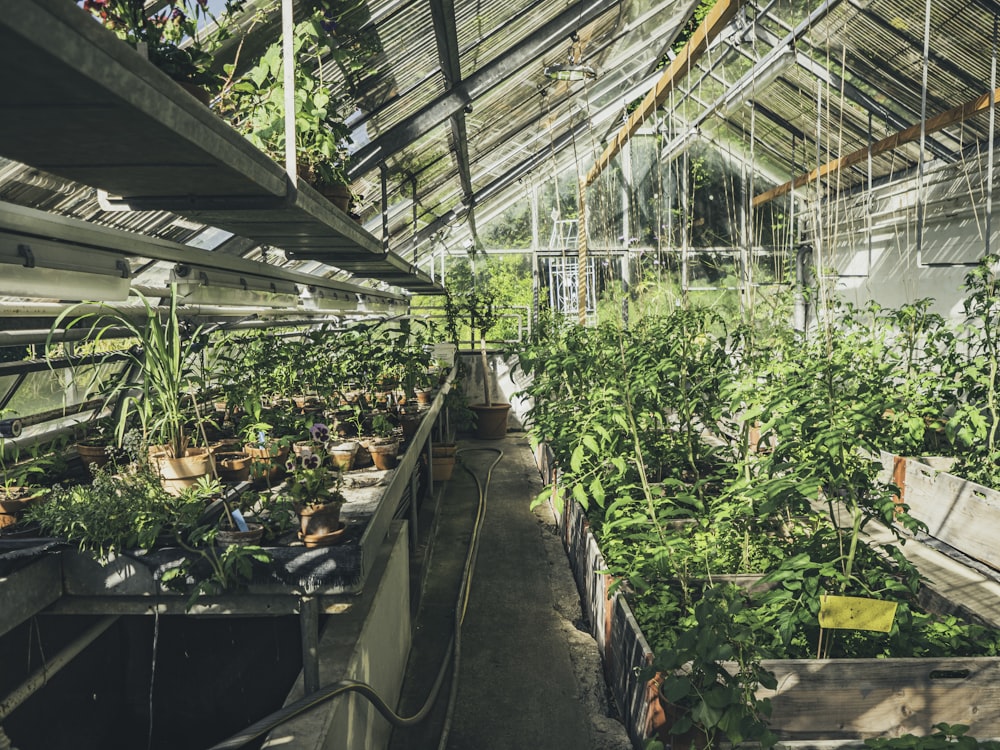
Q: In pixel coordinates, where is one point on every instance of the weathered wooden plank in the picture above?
(960, 513)
(858, 698)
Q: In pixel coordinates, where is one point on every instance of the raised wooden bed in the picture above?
(817, 700)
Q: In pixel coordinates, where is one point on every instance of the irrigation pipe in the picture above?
(341, 687)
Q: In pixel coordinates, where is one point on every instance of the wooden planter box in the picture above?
(816, 700)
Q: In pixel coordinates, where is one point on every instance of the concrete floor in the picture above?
(528, 677)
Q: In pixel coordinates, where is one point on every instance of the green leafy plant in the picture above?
(115, 512)
(312, 480)
(170, 34)
(712, 672)
(255, 104)
(155, 390)
(947, 736)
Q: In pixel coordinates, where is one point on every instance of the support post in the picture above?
(309, 627)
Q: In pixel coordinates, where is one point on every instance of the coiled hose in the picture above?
(452, 653)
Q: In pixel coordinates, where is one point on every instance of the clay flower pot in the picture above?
(384, 453)
(319, 520)
(234, 467)
(342, 455)
(226, 537)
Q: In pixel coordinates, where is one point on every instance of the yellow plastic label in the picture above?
(856, 613)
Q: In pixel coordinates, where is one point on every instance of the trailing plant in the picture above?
(947, 736)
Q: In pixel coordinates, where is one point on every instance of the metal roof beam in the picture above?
(529, 49)
(714, 22)
(446, 35)
(852, 93)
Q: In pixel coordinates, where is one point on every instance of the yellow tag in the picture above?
(856, 613)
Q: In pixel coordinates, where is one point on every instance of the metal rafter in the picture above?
(851, 92)
(443, 16)
(528, 50)
(714, 22)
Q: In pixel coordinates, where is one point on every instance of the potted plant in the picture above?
(479, 304)
(313, 486)
(169, 35)
(384, 444)
(127, 509)
(255, 105)
(160, 355)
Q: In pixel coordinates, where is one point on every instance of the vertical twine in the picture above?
(581, 263)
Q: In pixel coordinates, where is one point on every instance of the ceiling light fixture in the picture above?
(209, 286)
(571, 70)
(43, 269)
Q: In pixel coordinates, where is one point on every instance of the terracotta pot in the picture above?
(363, 458)
(92, 455)
(443, 461)
(491, 421)
(233, 467)
(323, 540)
(343, 455)
(226, 537)
(424, 397)
(384, 454)
(267, 463)
(410, 424)
(319, 520)
(13, 503)
(177, 474)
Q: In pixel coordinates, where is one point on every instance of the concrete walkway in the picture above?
(528, 677)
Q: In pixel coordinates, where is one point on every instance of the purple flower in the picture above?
(290, 465)
(310, 461)
(320, 432)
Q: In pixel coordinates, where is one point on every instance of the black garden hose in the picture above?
(452, 653)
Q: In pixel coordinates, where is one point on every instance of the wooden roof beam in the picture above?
(889, 143)
(714, 22)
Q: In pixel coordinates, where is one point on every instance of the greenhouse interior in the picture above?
(591, 374)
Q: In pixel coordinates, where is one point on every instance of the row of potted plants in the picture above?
(703, 452)
(193, 44)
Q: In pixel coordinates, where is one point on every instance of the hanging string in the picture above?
(990, 146)
(923, 132)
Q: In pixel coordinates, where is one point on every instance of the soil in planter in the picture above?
(213, 678)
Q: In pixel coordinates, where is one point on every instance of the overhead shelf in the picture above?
(80, 104)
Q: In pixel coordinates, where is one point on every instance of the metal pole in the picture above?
(309, 627)
(288, 63)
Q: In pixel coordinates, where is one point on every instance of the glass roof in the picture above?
(453, 114)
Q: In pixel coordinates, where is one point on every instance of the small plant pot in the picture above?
(343, 455)
(410, 424)
(233, 467)
(93, 455)
(227, 537)
(424, 397)
(324, 540)
(363, 458)
(384, 455)
(443, 461)
(267, 462)
(177, 474)
(13, 502)
(491, 420)
(317, 521)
